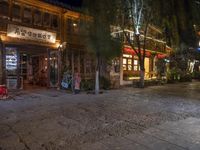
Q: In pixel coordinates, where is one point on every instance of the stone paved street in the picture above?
(155, 118)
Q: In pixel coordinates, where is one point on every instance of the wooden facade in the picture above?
(45, 39)
(156, 48)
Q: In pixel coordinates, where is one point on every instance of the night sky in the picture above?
(75, 3)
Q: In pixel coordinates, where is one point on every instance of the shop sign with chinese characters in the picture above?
(30, 34)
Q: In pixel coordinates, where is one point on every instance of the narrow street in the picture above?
(155, 118)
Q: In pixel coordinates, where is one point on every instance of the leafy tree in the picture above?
(137, 15)
(181, 16)
(99, 37)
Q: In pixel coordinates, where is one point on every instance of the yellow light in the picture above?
(74, 24)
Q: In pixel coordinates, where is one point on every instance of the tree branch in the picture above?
(145, 35)
(130, 43)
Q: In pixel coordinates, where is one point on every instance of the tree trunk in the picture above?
(141, 57)
(97, 77)
(72, 61)
(142, 74)
(97, 82)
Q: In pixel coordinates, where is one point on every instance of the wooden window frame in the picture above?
(20, 12)
(4, 16)
(31, 12)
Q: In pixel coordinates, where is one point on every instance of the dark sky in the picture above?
(75, 3)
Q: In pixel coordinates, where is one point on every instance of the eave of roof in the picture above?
(63, 5)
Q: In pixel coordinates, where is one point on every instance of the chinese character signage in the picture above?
(11, 60)
(30, 34)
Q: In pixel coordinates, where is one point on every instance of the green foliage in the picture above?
(105, 83)
(177, 18)
(186, 77)
(176, 74)
(161, 66)
(131, 74)
(87, 84)
(173, 75)
(196, 75)
(99, 38)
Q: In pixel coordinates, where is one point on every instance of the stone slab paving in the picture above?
(180, 135)
(161, 117)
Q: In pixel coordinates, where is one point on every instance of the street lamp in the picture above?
(60, 46)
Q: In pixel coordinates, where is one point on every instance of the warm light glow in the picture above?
(4, 38)
(74, 24)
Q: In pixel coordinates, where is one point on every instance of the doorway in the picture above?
(33, 70)
(31, 67)
(53, 69)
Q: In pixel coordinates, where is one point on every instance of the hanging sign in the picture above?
(30, 34)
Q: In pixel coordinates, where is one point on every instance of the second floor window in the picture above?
(72, 26)
(27, 15)
(54, 21)
(69, 27)
(16, 12)
(46, 19)
(37, 17)
(4, 8)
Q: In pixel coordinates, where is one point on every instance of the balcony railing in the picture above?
(151, 43)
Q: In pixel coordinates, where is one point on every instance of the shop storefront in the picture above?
(30, 58)
(32, 36)
(131, 67)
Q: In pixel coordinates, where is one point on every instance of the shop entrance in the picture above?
(53, 69)
(31, 68)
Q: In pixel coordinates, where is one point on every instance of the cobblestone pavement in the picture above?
(156, 118)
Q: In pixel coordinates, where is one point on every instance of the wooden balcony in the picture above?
(152, 45)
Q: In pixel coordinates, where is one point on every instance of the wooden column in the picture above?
(79, 63)
(59, 68)
(84, 61)
(48, 68)
(121, 70)
(18, 69)
(3, 64)
(72, 62)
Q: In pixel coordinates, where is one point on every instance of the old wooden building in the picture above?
(38, 40)
(128, 64)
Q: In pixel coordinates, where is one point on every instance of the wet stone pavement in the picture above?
(155, 118)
